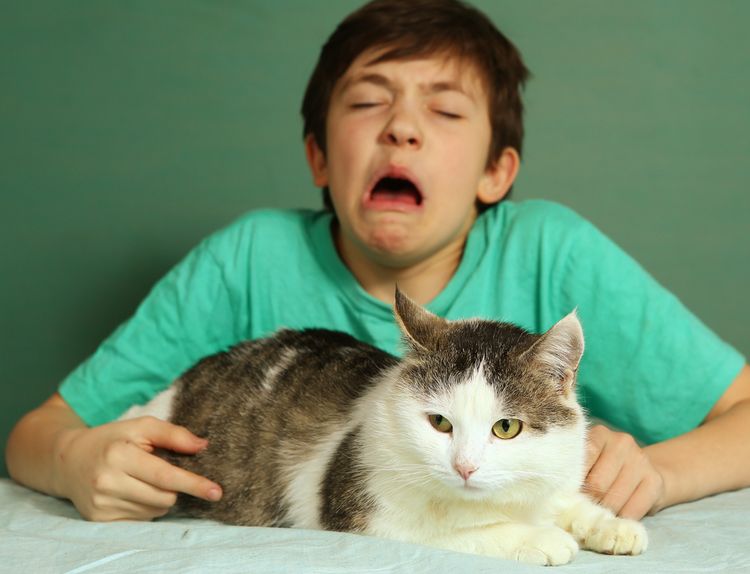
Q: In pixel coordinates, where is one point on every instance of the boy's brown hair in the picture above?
(408, 29)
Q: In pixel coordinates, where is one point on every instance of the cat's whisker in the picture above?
(400, 468)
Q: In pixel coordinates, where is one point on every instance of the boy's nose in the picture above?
(400, 139)
(402, 130)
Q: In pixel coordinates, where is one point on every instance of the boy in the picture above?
(413, 128)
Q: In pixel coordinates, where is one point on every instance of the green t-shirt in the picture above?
(650, 366)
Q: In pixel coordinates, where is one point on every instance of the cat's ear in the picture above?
(558, 352)
(419, 327)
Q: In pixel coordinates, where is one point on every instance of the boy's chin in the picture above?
(396, 258)
(392, 246)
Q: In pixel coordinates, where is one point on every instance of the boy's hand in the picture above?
(619, 474)
(110, 474)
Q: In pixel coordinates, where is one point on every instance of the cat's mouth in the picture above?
(394, 189)
(469, 491)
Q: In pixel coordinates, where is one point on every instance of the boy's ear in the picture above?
(316, 159)
(499, 177)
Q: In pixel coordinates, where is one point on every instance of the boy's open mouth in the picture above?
(395, 190)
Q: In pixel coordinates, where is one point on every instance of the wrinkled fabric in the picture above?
(42, 534)
(650, 368)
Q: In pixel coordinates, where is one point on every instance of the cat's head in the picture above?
(486, 407)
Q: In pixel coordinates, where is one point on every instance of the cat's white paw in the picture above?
(549, 546)
(614, 536)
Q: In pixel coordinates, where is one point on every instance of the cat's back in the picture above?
(329, 368)
(264, 406)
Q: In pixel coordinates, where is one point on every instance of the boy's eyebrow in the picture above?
(382, 81)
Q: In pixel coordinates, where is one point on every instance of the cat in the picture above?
(473, 442)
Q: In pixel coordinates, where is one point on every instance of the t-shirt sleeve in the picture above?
(650, 367)
(190, 313)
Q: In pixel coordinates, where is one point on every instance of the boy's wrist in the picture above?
(667, 481)
(671, 483)
(61, 459)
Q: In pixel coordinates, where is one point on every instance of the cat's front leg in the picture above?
(597, 528)
(542, 545)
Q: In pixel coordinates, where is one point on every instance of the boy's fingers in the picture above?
(641, 501)
(594, 446)
(603, 474)
(128, 510)
(173, 437)
(622, 489)
(593, 452)
(142, 493)
(160, 474)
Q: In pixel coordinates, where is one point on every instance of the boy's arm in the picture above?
(712, 458)
(108, 471)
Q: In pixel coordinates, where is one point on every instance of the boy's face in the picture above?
(406, 158)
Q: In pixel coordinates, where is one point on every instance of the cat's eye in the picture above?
(440, 423)
(507, 428)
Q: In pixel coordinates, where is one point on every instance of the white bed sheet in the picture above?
(42, 534)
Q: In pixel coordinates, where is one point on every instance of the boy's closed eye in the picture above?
(364, 96)
(364, 105)
(445, 114)
(442, 111)
(450, 106)
(449, 115)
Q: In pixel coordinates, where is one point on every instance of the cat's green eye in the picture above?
(440, 423)
(507, 428)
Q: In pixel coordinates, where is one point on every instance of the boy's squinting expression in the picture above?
(406, 158)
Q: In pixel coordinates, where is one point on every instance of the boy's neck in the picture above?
(422, 281)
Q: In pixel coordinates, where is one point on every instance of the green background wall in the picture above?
(130, 130)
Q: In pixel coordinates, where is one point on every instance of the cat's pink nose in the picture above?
(465, 470)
